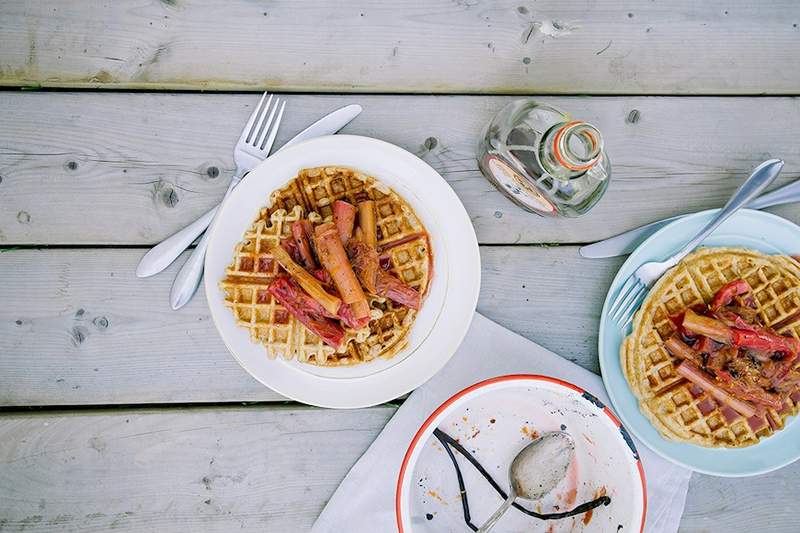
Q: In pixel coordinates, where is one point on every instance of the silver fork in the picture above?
(253, 147)
(632, 292)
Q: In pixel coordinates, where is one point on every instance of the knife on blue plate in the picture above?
(164, 253)
(627, 242)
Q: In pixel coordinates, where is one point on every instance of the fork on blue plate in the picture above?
(633, 291)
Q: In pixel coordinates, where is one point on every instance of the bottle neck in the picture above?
(571, 148)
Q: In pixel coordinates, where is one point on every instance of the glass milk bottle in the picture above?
(543, 160)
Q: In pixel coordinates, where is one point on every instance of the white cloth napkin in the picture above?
(364, 502)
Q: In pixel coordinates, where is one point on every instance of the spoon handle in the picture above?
(512, 495)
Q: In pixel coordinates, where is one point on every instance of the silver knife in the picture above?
(164, 253)
(628, 241)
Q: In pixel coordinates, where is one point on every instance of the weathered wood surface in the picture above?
(100, 168)
(210, 470)
(461, 46)
(253, 468)
(84, 330)
(742, 505)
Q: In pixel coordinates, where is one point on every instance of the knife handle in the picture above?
(782, 195)
(164, 253)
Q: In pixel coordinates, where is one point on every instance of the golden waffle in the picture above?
(402, 241)
(670, 402)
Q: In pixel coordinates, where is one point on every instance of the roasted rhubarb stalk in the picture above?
(765, 341)
(390, 287)
(302, 234)
(680, 349)
(344, 216)
(334, 259)
(366, 221)
(365, 263)
(710, 327)
(692, 372)
(376, 280)
(308, 282)
(299, 306)
(727, 293)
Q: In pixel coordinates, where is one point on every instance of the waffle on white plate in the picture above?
(296, 319)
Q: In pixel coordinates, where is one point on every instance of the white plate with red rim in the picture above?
(446, 311)
(494, 420)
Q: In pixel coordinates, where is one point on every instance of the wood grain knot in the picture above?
(79, 335)
(169, 197)
(23, 217)
(431, 143)
(212, 172)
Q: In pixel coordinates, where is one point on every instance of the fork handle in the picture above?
(164, 253)
(190, 274)
(763, 175)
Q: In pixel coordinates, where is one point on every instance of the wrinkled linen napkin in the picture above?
(364, 502)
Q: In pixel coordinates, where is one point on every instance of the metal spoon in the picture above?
(536, 470)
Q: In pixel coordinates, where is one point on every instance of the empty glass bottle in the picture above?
(543, 160)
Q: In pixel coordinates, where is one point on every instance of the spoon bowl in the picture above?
(536, 470)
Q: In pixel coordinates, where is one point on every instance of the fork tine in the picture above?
(259, 121)
(267, 125)
(631, 300)
(637, 289)
(274, 132)
(629, 284)
(250, 121)
(631, 309)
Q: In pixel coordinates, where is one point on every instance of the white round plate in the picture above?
(494, 420)
(446, 311)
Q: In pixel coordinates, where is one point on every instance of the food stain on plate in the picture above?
(604, 472)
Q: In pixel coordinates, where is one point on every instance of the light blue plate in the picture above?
(746, 229)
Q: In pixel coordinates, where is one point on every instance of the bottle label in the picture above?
(520, 188)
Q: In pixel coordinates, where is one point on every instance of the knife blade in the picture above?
(164, 253)
(628, 241)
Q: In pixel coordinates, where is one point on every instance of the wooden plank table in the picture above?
(118, 413)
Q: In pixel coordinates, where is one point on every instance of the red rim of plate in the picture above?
(511, 377)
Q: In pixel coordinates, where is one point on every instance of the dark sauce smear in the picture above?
(448, 442)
